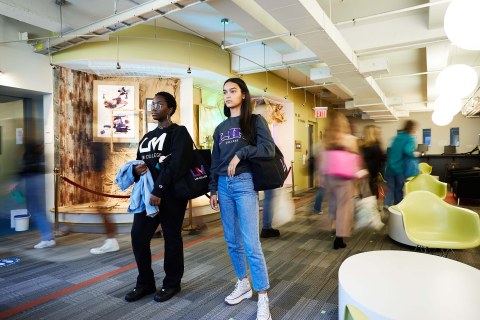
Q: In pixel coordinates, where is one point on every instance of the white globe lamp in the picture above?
(441, 119)
(448, 105)
(461, 24)
(457, 80)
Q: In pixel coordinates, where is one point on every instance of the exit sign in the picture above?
(320, 112)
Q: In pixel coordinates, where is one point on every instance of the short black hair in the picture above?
(171, 102)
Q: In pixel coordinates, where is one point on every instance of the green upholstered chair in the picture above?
(353, 313)
(428, 183)
(430, 222)
(425, 168)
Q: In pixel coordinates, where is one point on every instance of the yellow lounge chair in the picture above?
(425, 168)
(353, 313)
(428, 183)
(430, 222)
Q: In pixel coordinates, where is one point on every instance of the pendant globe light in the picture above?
(441, 119)
(457, 80)
(447, 105)
(462, 24)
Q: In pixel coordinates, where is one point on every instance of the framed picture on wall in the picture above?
(115, 111)
(150, 123)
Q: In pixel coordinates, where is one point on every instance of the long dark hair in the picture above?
(245, 110)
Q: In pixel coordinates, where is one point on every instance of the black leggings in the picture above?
(170, 217)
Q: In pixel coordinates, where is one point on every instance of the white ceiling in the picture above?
(385, 55)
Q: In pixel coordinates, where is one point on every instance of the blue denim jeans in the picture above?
(35, 199)
(395, 189)
(240, 220)
(319, 199)
(267, 209)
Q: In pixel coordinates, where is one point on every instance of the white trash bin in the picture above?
(22, 222)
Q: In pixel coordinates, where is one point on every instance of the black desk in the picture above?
(442, 162)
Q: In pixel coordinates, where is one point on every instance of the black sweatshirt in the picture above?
(228, 142)
(167, 154)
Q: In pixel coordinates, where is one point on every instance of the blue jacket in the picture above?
(140, 196)
(400, 155)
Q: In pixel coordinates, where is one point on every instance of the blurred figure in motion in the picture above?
(401, 163)
(33, 179)
(267, 230)
(111, 243)
(373, 155)
(320, 180)
(340, 187)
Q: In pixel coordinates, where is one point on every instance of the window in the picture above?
(427, 137)
(455, 137)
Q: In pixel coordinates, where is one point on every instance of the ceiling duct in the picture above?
(120, 21)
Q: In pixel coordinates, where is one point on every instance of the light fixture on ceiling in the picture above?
(54, 67)
(265, 66)
(457, 80)
(189, 70)
(118, 61)
(224, 21)
(441, 119)
(447, 105)
(288, 80)
(461, 23)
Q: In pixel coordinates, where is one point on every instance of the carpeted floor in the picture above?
(67, 282)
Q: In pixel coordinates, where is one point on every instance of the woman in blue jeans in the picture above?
(231, 188)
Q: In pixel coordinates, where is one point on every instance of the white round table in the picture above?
(408, 285)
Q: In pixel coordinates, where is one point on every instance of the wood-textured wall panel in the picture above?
(77, 156)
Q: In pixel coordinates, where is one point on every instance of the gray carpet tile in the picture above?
(303, 271)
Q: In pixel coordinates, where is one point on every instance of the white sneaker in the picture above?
(45, 244)
(263, 311)
(242, 291)
(110, 245)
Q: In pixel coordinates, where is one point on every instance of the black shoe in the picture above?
(138, 293)
(166, 293)
(338, 243)
(269, 233)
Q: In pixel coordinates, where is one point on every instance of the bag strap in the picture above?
(253, 123)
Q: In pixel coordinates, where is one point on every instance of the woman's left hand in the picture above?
(232, 166)
(154, 200)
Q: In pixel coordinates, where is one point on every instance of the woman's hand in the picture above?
(214, 202)
(232, 166)
(140, 169)
(154, 200)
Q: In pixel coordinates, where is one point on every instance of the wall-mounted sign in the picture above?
(298, 145)
(320, 112)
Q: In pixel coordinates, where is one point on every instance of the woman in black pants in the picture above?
(164, 151)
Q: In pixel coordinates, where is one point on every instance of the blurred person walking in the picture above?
(340, 188)
(111, 243)
(267, 230)
(319, 180)
(231, 187)
(33, 179)
(373, 155)
(401, 163)
(165, 152)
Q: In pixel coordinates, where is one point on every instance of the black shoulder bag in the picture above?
(267, 173)
(195, 182)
